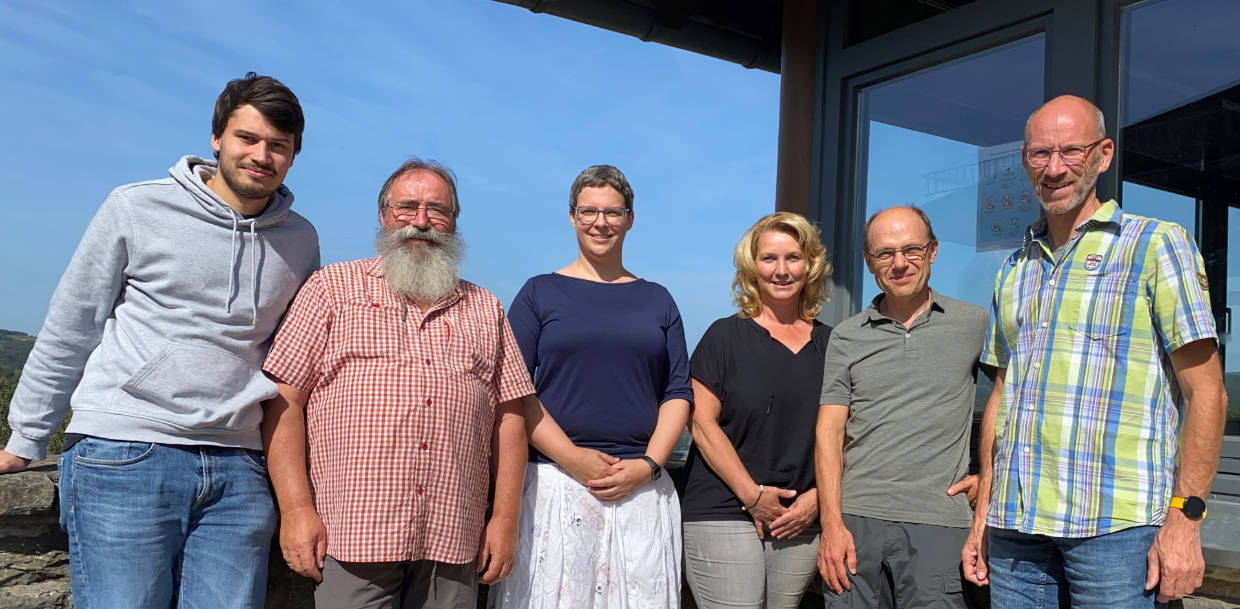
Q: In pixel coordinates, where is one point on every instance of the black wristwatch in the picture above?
(1193, 507)
(655, 470)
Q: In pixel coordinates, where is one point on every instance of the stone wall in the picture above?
(34, 552)
(34, 557)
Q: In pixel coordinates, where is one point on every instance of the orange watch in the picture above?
(1193, 507)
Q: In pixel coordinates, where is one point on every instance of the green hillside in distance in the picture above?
(14, 347)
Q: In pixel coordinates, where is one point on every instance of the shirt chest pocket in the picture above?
(473, 354)
(370, 331)
(1100, 304)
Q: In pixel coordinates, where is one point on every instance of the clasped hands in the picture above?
(765, 505)
(605, 476)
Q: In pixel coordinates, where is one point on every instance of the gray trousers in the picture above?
(917, 564)
(728, 566)
(421, 584)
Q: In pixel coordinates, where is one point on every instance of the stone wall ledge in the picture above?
(34, 557)
(34, 551)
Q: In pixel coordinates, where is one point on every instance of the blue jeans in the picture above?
(1102, 572)
(150, 521)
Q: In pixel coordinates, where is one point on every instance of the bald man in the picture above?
(1106, 352)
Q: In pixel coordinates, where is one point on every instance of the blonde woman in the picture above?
(750, 508)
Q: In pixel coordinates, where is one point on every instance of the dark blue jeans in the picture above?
(1102, 572)
(147, 520)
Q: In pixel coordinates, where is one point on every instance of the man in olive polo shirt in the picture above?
(892, 442)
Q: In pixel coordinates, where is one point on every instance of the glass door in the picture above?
(947, 140)
(1179, 151)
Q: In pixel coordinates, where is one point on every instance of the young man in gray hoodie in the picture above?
(155, 338)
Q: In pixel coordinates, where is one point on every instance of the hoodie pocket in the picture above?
(196, 387)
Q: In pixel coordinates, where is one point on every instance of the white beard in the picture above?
(422, 273)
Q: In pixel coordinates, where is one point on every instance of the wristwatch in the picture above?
(1193, 507)
(655, 470)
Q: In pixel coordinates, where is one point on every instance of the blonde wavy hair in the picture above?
(745, 284)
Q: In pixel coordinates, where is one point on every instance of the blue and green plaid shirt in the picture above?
(1086, 434)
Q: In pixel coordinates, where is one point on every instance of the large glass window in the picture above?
(1231, 366)
(947, 139)
(1180, 157)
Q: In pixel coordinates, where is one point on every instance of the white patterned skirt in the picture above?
(576, 552)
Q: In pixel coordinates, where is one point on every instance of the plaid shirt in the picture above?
(400, 410)
(1086, 435)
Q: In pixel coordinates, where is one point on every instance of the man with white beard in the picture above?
(401, 379)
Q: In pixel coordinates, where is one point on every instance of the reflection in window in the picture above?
(1154, 203)
(1180, 157)
(1231, 365)
(947, 139)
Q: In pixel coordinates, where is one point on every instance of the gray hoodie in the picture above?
(158, 329)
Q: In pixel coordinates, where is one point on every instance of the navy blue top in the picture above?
(604, 357)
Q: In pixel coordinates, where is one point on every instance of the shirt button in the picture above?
(1036, 365)
(428, 361)
(907, 335)
(1026, 452)
(425, 446)
(1043, 324)
(421, 490)
(428, 401)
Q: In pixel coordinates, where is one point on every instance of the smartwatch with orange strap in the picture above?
(1193, 507)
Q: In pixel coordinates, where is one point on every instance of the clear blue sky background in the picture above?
(99, 94)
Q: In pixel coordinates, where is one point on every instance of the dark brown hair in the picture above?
(269, 96)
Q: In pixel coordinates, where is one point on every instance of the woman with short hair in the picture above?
(750, 508)
(600, 524)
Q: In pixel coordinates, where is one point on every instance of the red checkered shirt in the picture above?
(400, 410)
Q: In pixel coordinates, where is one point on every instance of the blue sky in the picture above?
(102, 94)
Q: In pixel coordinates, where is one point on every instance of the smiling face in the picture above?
(780, 268)
(418, 190)
(253, 156)
(1067, 122)
(601, 240)
(893, 231)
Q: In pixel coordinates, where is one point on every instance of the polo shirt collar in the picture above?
(874, 316)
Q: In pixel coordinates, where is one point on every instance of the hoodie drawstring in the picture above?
(254, 273)
(232, 264)
(232, 270)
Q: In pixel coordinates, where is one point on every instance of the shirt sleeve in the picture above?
(707, 364)
(525, 325)
(296, 354)
(1178, 291)
(512, 379)
(836, 373)
(994, 346)
(81, 304)
(677, 358)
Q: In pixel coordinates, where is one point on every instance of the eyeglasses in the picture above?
(910, 252)
(589, 215)
(440, 214)
(1070, 155)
